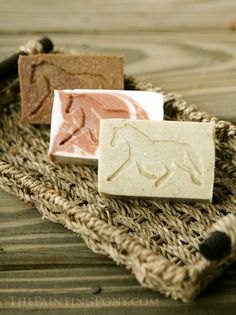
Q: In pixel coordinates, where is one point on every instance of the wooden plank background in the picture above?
(184, 46)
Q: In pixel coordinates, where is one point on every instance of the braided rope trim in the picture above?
(32, 47)
(157, 241)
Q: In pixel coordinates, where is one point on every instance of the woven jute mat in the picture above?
(157, 241)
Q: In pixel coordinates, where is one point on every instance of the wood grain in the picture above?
(44, 266)
(184, 46)
(200, 67)
(119, 16)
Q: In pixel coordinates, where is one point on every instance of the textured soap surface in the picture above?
(41, 74)
(76, 119)
(157, 159)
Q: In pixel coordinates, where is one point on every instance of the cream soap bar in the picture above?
(76, 118)
(156, 159)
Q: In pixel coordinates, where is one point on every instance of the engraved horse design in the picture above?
(50, 77)
(152, 162)
(81, 118)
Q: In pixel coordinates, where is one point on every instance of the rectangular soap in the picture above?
(170, 160)
(76, 119)
(41, 74)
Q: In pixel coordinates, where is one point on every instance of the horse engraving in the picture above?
(81, 118)
(50, 77)
(158, 160)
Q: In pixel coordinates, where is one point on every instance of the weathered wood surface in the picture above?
(199, 66)
(46, 267)
(183, 46)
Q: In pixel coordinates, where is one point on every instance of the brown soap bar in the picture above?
(41, 74)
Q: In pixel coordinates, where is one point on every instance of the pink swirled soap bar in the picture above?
(76, 118)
